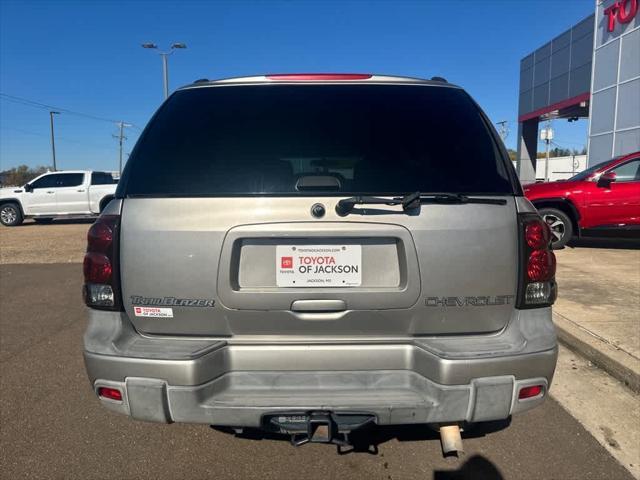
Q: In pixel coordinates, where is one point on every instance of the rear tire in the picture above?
(560, 225)
(10, 215)
(43, 221)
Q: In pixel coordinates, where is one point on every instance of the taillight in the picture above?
(541, 266)
(97, 268)
(536, 234)
(537, 286)
(101, 279)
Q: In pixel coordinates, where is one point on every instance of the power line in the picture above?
(66, 139)
(44, 106)
(32, 103)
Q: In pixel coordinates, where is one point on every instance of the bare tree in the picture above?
(18, 176)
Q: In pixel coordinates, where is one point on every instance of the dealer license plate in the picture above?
(318, 265)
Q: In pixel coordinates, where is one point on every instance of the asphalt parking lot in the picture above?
(53, 427)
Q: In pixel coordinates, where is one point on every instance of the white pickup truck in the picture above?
(69, 193)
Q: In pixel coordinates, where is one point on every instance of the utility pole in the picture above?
(120, 136)
(503, 130)
(165, 62)
(546, 134)
(53, 140)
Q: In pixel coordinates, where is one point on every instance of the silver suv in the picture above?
(312, 254)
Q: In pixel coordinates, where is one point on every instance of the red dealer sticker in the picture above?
(155, 312)
(318, 265)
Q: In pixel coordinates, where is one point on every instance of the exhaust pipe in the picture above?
(451, 440)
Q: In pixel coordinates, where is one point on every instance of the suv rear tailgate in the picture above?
(448, 269)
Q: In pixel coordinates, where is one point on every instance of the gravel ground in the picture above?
(58, 242)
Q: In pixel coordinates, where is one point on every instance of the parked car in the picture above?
(312, 254)
(603, 198)
(69, 193)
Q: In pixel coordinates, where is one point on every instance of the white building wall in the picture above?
(560, 168)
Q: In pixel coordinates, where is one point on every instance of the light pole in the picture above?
(165, 64)
(53, 141)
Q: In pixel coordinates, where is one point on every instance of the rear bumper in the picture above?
(244, 399)
(398, 381)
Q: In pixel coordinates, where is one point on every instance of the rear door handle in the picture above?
(318, 306)
(80, 190)
(51, 191)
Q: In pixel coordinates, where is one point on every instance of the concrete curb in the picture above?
(617, 363)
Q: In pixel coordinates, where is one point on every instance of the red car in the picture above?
(603, 197)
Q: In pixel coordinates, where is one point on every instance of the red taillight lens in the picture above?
(530, 392)
(97, 268)
(537, 235)
(110, 393)
(100, 237)
(101, 287)
(541, 266)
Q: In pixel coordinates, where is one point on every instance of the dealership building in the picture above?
(592, 71)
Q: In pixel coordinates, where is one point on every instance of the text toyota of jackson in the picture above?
(317, 254)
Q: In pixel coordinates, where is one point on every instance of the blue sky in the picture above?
(85, 56)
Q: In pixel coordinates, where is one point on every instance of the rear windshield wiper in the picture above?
(345, 206)
(413, 201)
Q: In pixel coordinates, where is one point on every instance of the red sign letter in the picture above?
(624, 15)
(610, 12)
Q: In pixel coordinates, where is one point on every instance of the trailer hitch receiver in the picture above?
(318, 427)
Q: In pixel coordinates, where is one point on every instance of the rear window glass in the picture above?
(102, 178)
(69, 179)
(316, 139)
